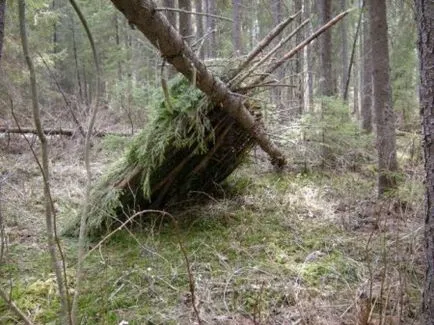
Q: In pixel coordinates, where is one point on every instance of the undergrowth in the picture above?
(289, 246)
(307, 246)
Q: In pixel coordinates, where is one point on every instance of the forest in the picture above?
(217, 162)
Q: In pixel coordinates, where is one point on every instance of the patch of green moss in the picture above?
(333, 269)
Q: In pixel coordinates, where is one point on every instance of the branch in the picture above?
(300, 46)
(15, 308)
(64, 132)
(263, 43)
(193, 13)
(273, 51)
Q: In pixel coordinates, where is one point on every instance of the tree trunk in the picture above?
(199, 27)
(385, 118)
(425, 23)
(327, 80)
(276, 92)
(55, 38)
(185, 27)
(236, 27)
(366, 71)
(2, 24)
(308, 100)
(171, 15)
(154, 25)
(211, 28)
(344, 50)
(299, 62)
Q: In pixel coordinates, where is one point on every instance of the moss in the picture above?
(333, 269)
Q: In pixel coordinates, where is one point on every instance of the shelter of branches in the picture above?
(192, 143)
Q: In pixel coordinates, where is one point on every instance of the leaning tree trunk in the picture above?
(425, 21)
(155, 26)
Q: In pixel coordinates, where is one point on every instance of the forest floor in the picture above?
(273, 248)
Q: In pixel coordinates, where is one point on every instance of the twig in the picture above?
(193, 13)
(181, 246)
(65, 99)
(15, 308)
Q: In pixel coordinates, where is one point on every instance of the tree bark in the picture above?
(425, 24)
(155, 26)
(385, 118)
(366, 71)
(2, 24)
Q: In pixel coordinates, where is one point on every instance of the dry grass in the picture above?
(271, 249)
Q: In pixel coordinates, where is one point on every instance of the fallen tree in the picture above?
(63, 132)
(200, 132)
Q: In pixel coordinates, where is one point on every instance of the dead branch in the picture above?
(12, 306)
(263, 43)
(64, 132)
(272, 52)
(193, 13)
(300, 46)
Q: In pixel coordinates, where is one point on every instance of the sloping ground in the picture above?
(273, 249)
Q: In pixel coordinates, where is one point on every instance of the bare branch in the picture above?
(193, 13)
(15, 308)
(300, 46)
(264, 43)
(64, 132)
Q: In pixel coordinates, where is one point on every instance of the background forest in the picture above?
(334, 237)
